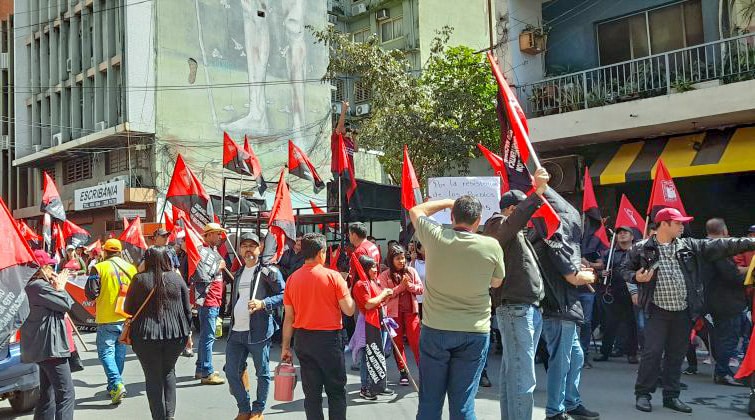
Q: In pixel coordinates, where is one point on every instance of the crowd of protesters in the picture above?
(437, 295)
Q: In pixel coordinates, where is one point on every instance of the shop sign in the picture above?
(130, 214)
(103, 195)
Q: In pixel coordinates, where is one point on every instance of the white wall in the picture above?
(518, 67)
(139, 64)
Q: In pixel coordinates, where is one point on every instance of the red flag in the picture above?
(203, 261)
(169, 225)
(410, 194)
(281, 226)
(300, 165)
(59, 241)
(17, 265)
(94, 245)
(342, 166)
(234, 157)
(194, 244)
(318, 210)
(51, 203)
(496, 162)
(133, 242)
(629, 217)
(27, 233)
(255, 165)
(664, 193)
(186, 193)
(594, 237)
(747, 367)
(74, 234)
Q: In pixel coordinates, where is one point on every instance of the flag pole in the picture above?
(340, 209)
(647, 227)
(610, 256)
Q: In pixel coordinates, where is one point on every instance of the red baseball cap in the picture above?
(671, 214)
(43, 258)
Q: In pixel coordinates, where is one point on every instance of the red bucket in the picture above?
(285, 382)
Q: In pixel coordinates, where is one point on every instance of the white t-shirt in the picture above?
(241, 309)
(419, 265)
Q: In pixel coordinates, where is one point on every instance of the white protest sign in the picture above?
(487, 189)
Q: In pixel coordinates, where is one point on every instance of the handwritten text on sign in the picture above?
(487, 189)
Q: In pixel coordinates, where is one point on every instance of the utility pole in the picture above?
(490, 23)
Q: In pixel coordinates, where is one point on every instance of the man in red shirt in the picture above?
(358, 238)
(209, 298)
(348, 138)
(314, 299)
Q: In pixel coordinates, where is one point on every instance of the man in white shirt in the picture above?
(257, 292)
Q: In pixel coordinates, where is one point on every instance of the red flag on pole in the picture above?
(255, 166)
(594, 237)
(17, 265)
(27, 233)
(94, 245)
(133, 242)
(51, 203)
(318, 210)
(234, 157)
(59, 240)
(300, 165)
(74, 234)
(410, 194)
(664, 193)
(496, 162)
(342, 166)
(281, 226)
(629, 217)
(169, 225)
(186, 193)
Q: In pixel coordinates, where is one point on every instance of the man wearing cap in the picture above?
(209, 292)
(619, 312)
(108, 281)
(517, 301)
(160, 239)
(257, 292)
(666, 269)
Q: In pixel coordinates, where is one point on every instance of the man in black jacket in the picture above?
(619, 314)
(667, 269)
(517, 301)
(726, 300)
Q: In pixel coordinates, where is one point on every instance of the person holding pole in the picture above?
(455, 333)
(257, 293)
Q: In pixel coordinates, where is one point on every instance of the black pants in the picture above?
(56, 391)
(619, 322)
(666, 342)
(158, 359)
(320, 355)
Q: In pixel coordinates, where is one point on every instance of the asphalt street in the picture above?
(607, 388)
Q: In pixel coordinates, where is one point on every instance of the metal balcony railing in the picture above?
(726, 61)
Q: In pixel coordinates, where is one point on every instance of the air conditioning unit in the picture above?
(100, 126)
(68, 65)
(38, 148)
(125, 178)
(382, 14)
(4, 142)
(4, 61)
(363, 109)
(358, 9)
(336, 108)
(332, 19)
(57, 139)
(565, 173)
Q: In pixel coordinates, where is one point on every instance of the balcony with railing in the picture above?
(713, 64)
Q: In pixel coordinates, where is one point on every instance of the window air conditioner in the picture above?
(382, 14)
(57, 139)
(336, 108)
(100, 126)
(363, 109)
(358, 9)
(68, 65)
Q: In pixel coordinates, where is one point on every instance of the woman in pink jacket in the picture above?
(402, 305)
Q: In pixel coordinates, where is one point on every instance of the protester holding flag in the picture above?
(209, 289)
(517, 301)
(44, 340)
(370, 298)
(617, 303)
(314, 299)
(402, 306)
(666, 269)
(133, 243)
(257, 293)
(455, 334)
(107, 285)
(160, 331)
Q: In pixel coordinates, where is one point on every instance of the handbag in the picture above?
(125, 337)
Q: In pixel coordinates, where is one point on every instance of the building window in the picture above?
(118, 160)
(339, 91)
(361, 92)
(361, 35)
(391, 29)
(651, 32)
(77, 169)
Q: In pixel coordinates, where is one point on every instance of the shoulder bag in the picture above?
(125, 337)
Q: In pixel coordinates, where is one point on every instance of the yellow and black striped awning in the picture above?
(707, 153)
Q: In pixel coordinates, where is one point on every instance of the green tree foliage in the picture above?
(440, 114)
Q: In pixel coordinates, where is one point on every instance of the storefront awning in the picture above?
(708, 153)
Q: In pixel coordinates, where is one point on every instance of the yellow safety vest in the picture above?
(110, 286)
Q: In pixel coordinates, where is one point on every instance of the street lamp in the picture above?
(212, 162)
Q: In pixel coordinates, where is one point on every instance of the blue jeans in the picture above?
(207, 319)
(521, 324)
(450, 362)
(587, 300)
(112, 354)
(564, 366)
(236, 352)
(725, 341)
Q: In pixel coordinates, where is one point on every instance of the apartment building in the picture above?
(7, 172)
